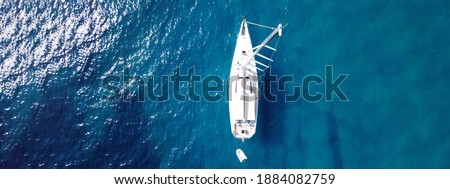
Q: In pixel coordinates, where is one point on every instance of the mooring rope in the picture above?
(268, 27)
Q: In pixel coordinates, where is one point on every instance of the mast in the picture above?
(268, 38)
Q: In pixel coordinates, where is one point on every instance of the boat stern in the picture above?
(244, 129)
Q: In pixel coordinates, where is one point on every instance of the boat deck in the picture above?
(243, 85)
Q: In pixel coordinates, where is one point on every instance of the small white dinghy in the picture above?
(241, 155)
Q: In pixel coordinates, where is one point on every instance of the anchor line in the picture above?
(260, 25)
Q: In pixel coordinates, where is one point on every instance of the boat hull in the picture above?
(243, 87)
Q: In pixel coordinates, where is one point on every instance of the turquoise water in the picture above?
(54, 54)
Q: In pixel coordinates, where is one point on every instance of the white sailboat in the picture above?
(243, 85)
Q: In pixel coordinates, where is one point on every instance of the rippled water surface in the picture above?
(54, 54)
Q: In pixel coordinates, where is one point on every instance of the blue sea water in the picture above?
(54, 54)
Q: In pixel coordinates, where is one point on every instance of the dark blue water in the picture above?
(53, 56)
